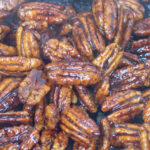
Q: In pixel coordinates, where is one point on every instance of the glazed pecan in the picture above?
(6, 50)
(142, 27)
(141, 48)
(77, 124)
(18, 66)
(57, 50)
(61, 96)
(41, 11)
(15, 134)
(33, 88)
(86, 36)
(123, 105)
(130, 77)
(86, 99)
(30, 140)
(4, 30)
(8, 94)
(14, 118)
(51, 116)
(73, 73)
(109, 59)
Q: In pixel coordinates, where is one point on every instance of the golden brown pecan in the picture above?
(27, 43)
(57, 50)
(73, 73)
(8, 6)
(33, 88)
(61, 96)
(6, 50)
(123, 105)
(141, 48)
(51, 116)
(124, 135)
(39, 116)
(8, 94)
(102, 90)
(130, 77)
(60, 141)
(109, 59)
(86, 35)
(18, 66)
(86, 99)
(15, 134)
(142, 27)
(125, 26)
(41, 11)
(4, 30)
(105, 136)
(15, 118)
(30, 140)
(77, 124)
(134, 7)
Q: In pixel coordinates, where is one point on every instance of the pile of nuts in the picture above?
(58, 66)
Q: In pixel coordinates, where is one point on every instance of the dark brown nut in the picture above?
(60, 141)
(77, 124)
(124, 135)
(6, 50)
(123, 105)
(8, 6)
(39, 116)
(142, 27)
(109, 59)
(73, 73)
(105, 136)
(11, 146)
(47, 139)
(77, 146)
(125, 27)
(30, 141)
(86, 99)
(62, 96)
(130, 77)
(57, 50)
(141, 48)
(86, 35)
(14, 118)
(27, 43)
(102, 90)
(144, 140)
(33, 88)
(128, 59)
(15, 134)
(8, 94)
(134, 6)
(18, 66)
(4, 30)
(51, 116)
(41, 11)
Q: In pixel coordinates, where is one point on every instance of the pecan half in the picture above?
(86, 36)
(8, 94)
(41, 11)
(33, 88)
(57, 50)
(18, 66)
(4, 30)
(73, 73)
(123, 105)
(86, 99)
(77, 124)
(109, 59)
(142, 27)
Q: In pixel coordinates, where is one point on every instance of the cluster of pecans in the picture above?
(58, 66)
